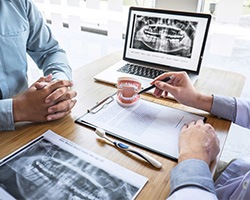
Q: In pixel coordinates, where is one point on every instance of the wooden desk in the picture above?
(210, 81)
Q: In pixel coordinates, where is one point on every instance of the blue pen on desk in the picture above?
(151, 160)
(153, 86)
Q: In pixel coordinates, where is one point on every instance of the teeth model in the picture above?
(127, 93)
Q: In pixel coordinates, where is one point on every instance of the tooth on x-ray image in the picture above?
(45, 171)
(169, 36)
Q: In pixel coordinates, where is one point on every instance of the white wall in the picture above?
(184, 5)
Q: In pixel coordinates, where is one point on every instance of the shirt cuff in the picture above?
(224, 107)
(192, 173)
(242, 112)
(6, 115)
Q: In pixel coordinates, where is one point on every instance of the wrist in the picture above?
(203, 102)
(198, 156)
(18, 114)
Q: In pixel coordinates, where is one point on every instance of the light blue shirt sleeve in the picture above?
(224, 107)
(243, 112)
(6, 116)
(236, 110)
(43, 48)
(192, 173)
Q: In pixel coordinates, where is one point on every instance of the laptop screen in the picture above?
(169, 39)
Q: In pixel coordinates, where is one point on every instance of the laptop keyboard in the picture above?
(140, 71)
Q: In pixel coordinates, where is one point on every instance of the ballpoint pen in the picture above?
(153, 86)
(101, 133)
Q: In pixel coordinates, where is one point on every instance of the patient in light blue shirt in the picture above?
(22, 31)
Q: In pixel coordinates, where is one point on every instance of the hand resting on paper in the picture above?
(198, 141)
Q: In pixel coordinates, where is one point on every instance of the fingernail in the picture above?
(49, 118)
(47, 101)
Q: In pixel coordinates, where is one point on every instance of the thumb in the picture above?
(45, 78)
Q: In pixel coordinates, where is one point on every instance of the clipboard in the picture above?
(149, 125)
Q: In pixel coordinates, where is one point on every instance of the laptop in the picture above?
(158, 41)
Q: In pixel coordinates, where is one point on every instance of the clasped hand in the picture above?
(45, 100)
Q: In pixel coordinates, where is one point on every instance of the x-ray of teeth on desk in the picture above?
(53, 167)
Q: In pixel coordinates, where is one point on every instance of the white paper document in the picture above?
(147, 124)
(52, 167)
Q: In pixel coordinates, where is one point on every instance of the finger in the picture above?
(157, 92)
(58, 93)
(200, 121)
(163, 86)
(165, 94)
(57, 116)
(62, 106)
(61, 94)
(40, 85)
(162, 76)
(45, 78)
(59, 84)
(48, 78)
(192, 123)
(185, 126)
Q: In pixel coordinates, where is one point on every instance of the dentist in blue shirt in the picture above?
(199, 144)
(22, 31)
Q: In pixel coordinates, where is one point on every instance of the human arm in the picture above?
(25, 31)
(43, 48)
(198, 147)
(51, 58)
(233, 109)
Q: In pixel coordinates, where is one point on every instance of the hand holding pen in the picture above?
(153, 86)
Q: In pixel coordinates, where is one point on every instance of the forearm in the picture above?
(57, 65)
(220, 106)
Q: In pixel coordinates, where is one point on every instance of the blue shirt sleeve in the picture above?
(192, 173)
(224, 107)
(43, 48)
(234, 109)
(6, 117)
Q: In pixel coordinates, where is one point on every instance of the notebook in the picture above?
(157, 41)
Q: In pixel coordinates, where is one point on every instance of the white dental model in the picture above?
(127, 93)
